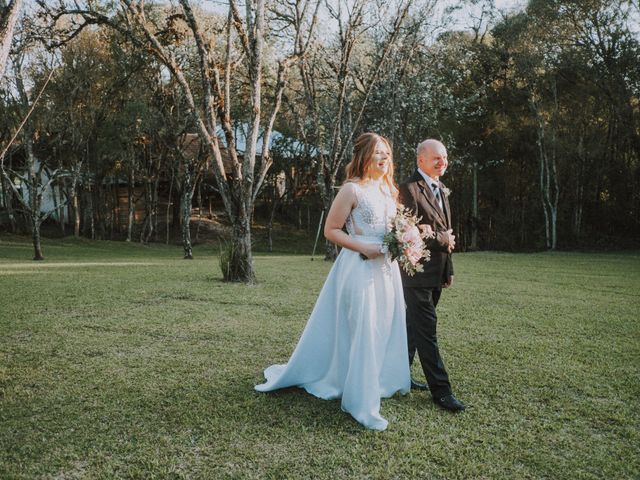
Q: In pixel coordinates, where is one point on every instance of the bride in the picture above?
(354, 345)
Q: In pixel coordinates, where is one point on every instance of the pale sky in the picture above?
(460, 17)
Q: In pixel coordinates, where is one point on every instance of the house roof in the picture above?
(191, 149)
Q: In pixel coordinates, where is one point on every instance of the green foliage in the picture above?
(111, 111)
(227, 251)
(125, 361)
(474, 90)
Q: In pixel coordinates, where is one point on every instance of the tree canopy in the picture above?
(539, 109)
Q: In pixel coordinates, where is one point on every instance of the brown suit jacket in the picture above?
(416, 195)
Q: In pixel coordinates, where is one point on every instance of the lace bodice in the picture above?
(374, 210)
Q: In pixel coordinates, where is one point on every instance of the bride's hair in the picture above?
(360, 165)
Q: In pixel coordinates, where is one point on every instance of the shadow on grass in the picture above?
(299, 409)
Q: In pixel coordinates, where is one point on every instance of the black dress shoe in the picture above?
(449, 402)
(418, 386)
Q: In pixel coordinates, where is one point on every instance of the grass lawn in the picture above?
(123, 360)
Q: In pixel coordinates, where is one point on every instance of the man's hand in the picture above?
(449, 282)
(451, 240)
(426, 230)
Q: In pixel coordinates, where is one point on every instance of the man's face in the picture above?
(433, 160)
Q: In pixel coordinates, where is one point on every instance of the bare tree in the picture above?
(538, 70)
(31, 175)
(240, 184)
(193, 163)
(34, 175)
(546, 142)
(337, 84)
(8, 18)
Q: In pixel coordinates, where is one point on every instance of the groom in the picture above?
(426, 196)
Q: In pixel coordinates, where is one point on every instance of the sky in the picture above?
(460, 17)
(508, 4)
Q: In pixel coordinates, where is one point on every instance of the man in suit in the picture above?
(426, 196)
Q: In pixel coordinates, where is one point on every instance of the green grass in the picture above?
(123, 360)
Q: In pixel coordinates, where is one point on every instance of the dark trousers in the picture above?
(421, 336)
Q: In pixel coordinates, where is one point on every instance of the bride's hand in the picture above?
(370, 250)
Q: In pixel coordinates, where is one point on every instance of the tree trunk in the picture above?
(554, 230)
(76, 212)
(241, 265)
(169, 204)
(154, 197)
(36, 199)
(74, 199)
(115, 211)
(474, 210)
(8, 19)
(579, 178)
(199, 210)
(8, 202)
(104, 210)
(543, 193)
(272, 214)
(59, 211)
(548, 178)
(185, 209)
(89, 227)
(330, 249)
(132, 207)
(34, 186)
(35, 229)
(149, 207)
(577, 211)
(146, 219)
(91, 213)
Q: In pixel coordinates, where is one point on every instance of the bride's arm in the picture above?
(340, 209)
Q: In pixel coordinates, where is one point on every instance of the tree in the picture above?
(34, 174)
(604, 60)
(141, 24)
(8, 17)
(337, 81)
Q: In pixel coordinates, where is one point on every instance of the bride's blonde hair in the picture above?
(359, 168)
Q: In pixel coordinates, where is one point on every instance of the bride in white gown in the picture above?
(354, 345)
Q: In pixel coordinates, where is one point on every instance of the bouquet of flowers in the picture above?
(405, 241)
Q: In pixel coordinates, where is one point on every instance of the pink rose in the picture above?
(411, 236)
(413, 254)
(414, 235)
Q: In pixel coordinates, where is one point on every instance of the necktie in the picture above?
(436, 192)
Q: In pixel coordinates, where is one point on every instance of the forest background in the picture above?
(147, 120)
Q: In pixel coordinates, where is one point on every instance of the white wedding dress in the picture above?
(354, 345)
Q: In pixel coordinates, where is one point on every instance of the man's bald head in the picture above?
(429, 145)
(431, 157)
